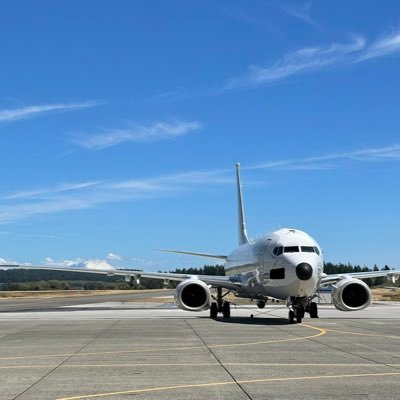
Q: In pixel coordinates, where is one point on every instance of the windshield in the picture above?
(291, 249)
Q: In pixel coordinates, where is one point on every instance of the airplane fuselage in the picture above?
(283, 264)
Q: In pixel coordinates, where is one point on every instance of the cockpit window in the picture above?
(291, 249)
(307, 249)
(316, 249)
(278, 250)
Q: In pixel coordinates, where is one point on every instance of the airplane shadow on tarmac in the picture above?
(252, 321)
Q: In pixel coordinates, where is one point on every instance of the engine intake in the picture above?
(351, 295)
(193, 295)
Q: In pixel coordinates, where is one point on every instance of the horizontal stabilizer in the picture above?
(195, 254)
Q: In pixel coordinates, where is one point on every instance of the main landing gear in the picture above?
(220, 306)
(298, 306)
(260, 303)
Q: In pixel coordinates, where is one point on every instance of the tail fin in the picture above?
(242, 224)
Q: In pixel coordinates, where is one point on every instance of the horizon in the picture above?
(121, 126)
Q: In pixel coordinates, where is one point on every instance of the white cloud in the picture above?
(4, 261)
(36, 110)
(301, 12)
(79, 196)
(98, 264)
(63, 187)
(310, 59)
(385, 45)
(388, 153)
(303, 60)
(137, 133)
(113, 257)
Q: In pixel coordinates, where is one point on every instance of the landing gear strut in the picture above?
(220, 306)
(299, 306)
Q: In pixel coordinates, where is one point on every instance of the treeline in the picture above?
(60, 280)
(330, 268)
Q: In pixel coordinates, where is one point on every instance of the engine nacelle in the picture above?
(193, 295)
(351, 294)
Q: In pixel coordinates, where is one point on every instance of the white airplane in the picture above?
(286, 264)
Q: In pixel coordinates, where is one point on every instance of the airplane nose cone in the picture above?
(304, 271)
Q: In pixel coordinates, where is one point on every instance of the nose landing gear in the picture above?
(298, 306)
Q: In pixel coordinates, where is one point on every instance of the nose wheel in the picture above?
(299, 306)
(296, 316)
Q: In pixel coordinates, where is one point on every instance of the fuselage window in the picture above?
(316, 249)
(278, 250)
(291, 249)
(307, 249)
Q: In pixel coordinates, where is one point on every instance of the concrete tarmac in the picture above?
(151, 350)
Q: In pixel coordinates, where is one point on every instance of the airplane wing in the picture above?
(212, 280)
(191, 253)
(391, 275)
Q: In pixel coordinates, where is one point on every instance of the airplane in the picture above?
(286, 264)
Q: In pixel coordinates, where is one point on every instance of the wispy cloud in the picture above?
(62, 187)
(304, 60)
(332, 160)
(171, 95)
(301, 12)
(36, 110)
(80, 196)
(385, 45)
(310, 59)
(136, 133)
(87, 195)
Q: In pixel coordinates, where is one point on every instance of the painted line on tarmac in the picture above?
(321, 332)
(214, 384)
(193, 365)
(365, 334)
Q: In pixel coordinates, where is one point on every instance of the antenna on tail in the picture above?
(241, 221)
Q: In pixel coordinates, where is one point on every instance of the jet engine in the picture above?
(351, 294)
(193, 295)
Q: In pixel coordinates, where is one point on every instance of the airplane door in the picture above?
(268, 259)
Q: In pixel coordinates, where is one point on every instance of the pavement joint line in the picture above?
(321, 332)
(219, 361)
(226, 383)
(393, 366)
(64, 361)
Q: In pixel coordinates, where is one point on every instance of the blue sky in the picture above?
(121, 122)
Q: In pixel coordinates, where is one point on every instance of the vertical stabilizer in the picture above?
(242, 224)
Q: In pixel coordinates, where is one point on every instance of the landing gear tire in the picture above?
(260, 303)
(291, 317)
(313, 310)
(226, 310)
(213, 310)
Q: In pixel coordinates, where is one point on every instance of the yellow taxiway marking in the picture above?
(321, 331)
(213, 384)
(130, 365)
(365, 334)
